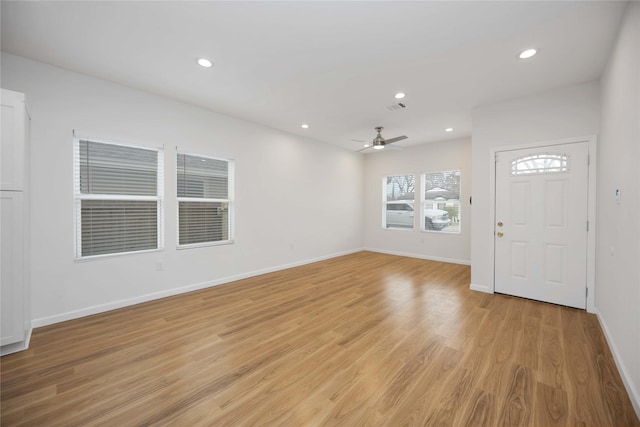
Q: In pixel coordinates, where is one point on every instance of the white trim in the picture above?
(627, 380)
(591, 217)
(18, 346)
(124, 197)
(101, 308)
(591, 141)
(143, 145)
(420, 256)
(481, 288)
(206, 156)
(201, 200)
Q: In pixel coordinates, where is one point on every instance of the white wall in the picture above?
(618, 251)
(562, 113)
(296, 199)
(434, 157)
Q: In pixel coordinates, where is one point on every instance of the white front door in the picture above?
(541, 223)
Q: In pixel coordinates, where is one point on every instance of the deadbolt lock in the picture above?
(500, 224)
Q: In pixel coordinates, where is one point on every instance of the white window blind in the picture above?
(205, 200)
(118, 198)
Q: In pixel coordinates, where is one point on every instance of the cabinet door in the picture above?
(12, 148)
(12, 267)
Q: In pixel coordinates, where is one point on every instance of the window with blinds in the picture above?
(205, 200)
(118, 198)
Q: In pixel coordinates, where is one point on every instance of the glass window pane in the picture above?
(399, 201)
(116, 169)
(441, 206)
(103, 174)
(115, 226)
(540, 164)
(202, 222)
(205, 178)
(202, 177)
(400, 187)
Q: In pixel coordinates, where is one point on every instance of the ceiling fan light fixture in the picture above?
(204, 62)
(379, 142)
(525, 54)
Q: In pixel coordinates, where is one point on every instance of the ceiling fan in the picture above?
(379, 142)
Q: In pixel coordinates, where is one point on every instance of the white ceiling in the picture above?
(334, 65)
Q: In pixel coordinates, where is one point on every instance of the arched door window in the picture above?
(540, 164)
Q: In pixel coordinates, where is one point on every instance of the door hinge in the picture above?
(587, 225)
(586, 294)
(588, 159)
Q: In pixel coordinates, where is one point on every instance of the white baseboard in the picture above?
(101, 308)
(480, 288)
(634, 394)
(16, 347)
(420, 256)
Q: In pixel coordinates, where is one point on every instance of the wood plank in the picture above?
(518, 402)
(551, 408)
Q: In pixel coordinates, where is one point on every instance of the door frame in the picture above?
(591, 141)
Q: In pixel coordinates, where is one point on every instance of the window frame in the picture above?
(230, 202)
(385, 202)
(78, 197)
(423, 202)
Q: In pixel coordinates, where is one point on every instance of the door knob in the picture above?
(500, 234)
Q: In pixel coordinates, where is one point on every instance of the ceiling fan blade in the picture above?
(396, 139)
(362, 149)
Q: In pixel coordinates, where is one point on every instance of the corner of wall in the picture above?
(627, 380)
(480, 288)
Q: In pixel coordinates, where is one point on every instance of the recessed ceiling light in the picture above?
(366, 146)
(527, 53)
(304, 126)
(204, 62)
(448, 130)
(399, 95)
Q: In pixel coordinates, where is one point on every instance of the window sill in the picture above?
(204, 245)
(441, 232)
(399, 228)
(115, 255)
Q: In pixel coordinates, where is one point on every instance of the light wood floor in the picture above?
(365, 339)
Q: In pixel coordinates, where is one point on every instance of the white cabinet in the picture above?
(13, 152)
(12, 264)
(15, 313)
